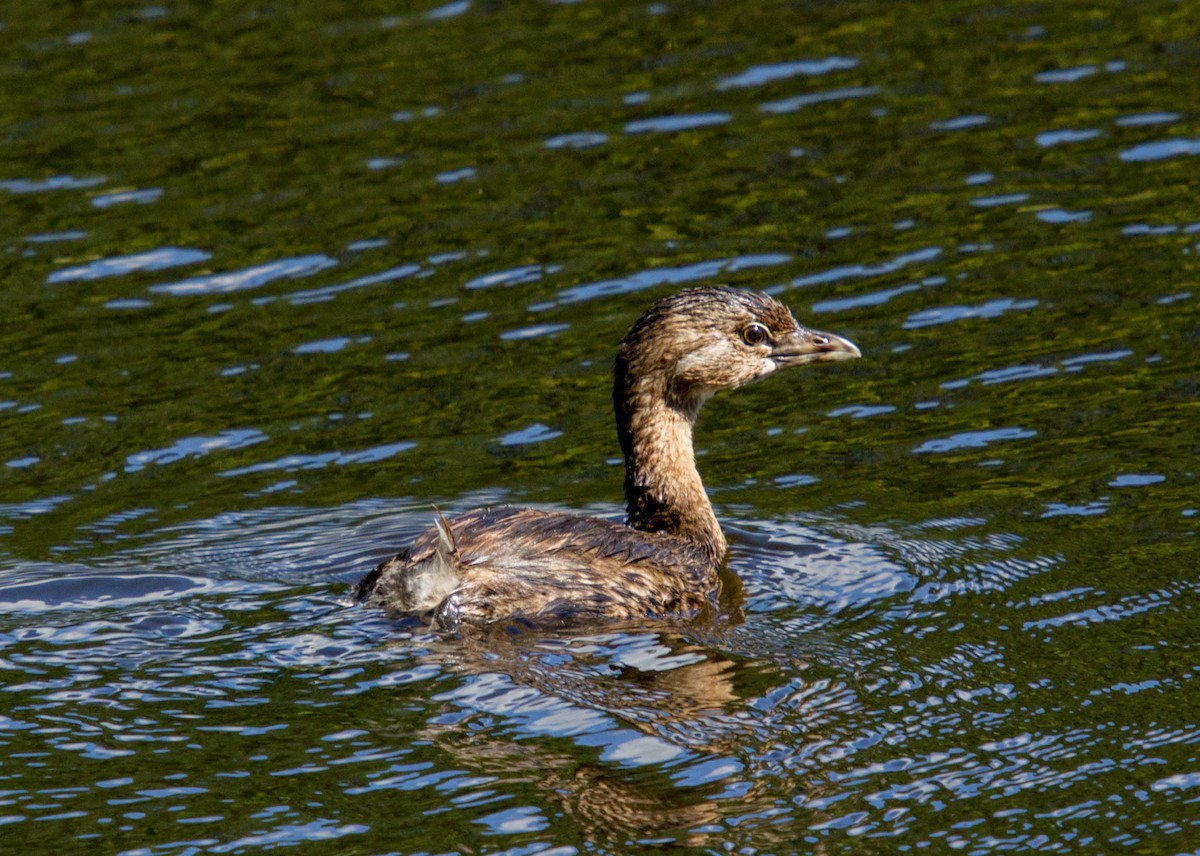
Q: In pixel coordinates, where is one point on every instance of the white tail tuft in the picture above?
(430, 582)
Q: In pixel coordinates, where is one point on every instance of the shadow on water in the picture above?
(650, 706)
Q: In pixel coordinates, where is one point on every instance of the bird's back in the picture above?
(517, 563)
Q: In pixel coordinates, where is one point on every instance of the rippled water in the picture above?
(277, 280)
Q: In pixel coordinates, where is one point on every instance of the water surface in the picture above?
(277, 280)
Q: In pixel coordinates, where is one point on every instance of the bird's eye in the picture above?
(755, 334)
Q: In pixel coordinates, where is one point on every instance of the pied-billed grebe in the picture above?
(493, 564)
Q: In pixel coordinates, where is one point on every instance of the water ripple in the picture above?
(1135, 120)
(796, 102)
(160, 259)
(1066, 75)
(513, 276)
(290, 463)
(758, 75)
(860, 270)
(999, 199)
(961, 123)
(659, 276)
(577, 140)
(973, 440)
(1161, 150)
(535, 433)
(950, 314)
(58, 182)
(1046, 139)
(88, 591)
(124, 197)
(534, 331)
(328, 292)
(195, 447)
(674, 124)
(248, 278)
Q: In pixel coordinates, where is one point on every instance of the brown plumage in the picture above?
(503, 563)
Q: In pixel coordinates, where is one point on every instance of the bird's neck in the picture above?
(663, 491)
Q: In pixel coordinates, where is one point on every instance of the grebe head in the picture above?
(702, 340)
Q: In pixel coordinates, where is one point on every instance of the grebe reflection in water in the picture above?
(495, 564)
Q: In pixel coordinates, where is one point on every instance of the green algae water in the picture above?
(276, 280)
